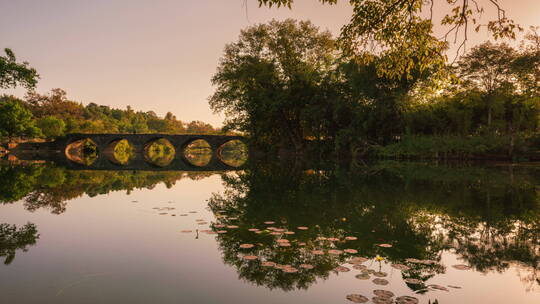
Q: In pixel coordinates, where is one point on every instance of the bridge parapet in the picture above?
(105, 145)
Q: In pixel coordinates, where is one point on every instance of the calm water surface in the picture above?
(76, 236)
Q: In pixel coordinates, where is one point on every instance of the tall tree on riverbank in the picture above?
(271, 79)
(13, 73)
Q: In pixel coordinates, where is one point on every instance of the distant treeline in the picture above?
(52, 115)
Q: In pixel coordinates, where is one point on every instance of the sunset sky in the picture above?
(154, 55)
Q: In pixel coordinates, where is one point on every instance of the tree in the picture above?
(401, 31)
(15, 119)
(51, 126)
(13, 73)
(269, 78)
(487, 67)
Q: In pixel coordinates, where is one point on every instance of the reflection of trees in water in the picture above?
(488, 216)
(13, 239)
(50, 187)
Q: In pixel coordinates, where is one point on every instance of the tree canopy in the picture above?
(13, 73)
(401, 31)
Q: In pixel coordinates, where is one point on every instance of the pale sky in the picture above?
(153, 54)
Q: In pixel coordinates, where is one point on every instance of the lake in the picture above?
(387, 232)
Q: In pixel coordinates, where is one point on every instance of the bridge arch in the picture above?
(159, 151)
(233, 152)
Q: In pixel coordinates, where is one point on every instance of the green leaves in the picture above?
(13, 73)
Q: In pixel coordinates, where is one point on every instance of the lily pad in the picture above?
(317, 252)
(461, 267)
(269, 222)
(342, 269)
(186, 231)
(232, 226)
(247, 246)
(385, 245)
(335, 251)
(380, 274)
(348, 250)
(383, 293)
(250, 257)
(381, 300)
(268, 264)
(400, 267)
(357, 260)
(356, 298)
(438, 287)
(253, 229)
(351, 238)
(290, 270)
(406, 300)
(359, 267)
(302, 228)
(380, 281)
(414, 281)
(362, 276)
(307, 266)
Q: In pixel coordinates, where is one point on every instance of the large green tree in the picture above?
(51, 126)
(13, 73)
(488, 67)
(15, 119)
(401, 31)
(270, 80)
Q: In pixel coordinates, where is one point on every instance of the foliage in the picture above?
(314, 98)
(401, 31)
(275, 71)
(15, 119)
(13, 239)
(51, 126)
(13, 73)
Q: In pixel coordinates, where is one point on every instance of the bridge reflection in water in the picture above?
(105, 144)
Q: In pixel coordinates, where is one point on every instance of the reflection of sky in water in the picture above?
(108, 249)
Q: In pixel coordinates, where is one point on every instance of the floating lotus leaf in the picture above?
(406, 300)
(289, 232)
(356, 298)
(282, 241)
(414, 261)
(381, 300)
(335, 251)
(186, 231)
(385, 245)
(359, 267)
(351, 238)
(307, 266)
(454, 286)
(380, 274)
(348, 250)
(284, 244)
(317, 252)
(380, 281)
(276, 233)
(290, 270)
(268, 264)
(362, 276)
(383, 293)
(221, 231)
(302, 228)
(301, 244)
(192, 211)
(461, 267)
(413, 281)
(269, 222)
(250, 257)
(247, 246)
(357, 260)
(253, 229)
(342, 269)
(438, 287)
(332, 239)
(162, 213)
(232, 227)
(400, 267)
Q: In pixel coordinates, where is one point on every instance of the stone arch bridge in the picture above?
(107, 142)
